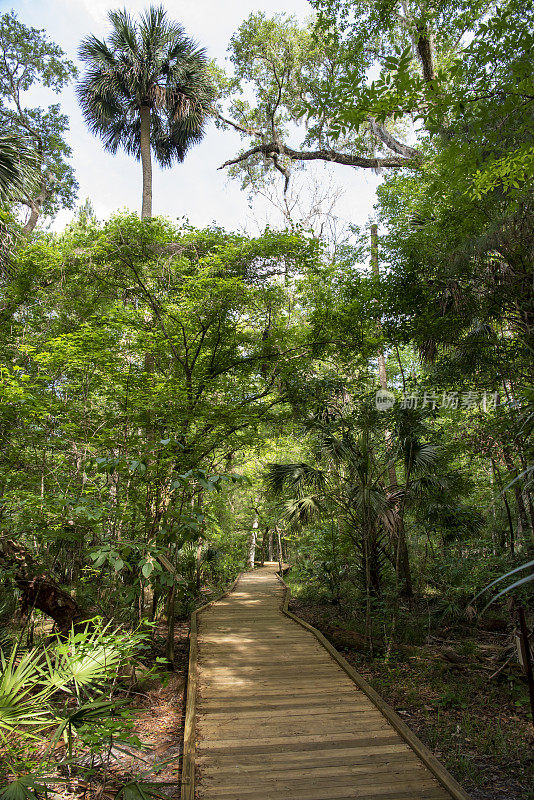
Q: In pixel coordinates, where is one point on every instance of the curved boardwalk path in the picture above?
(273, 715)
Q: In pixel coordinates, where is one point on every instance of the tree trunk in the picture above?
(271, 554)
(518, 492)
(252, 544)
(170, 624)
(199, 566)
(37, 589)
(31, 222)
(146, 162)
(264, 545)
(35, 204)
(498, 478)
(402, 559)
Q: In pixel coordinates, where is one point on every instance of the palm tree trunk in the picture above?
(402, 560)
(146, 162)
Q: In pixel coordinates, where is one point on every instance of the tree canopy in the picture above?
(30, 59)
(180, 403)
(147, 89)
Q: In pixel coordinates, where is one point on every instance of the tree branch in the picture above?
(35, 204)
(424, 50)
(236, 126)
(272, 149)
(389, 140)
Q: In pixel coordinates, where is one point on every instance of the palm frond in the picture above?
(18, 167)
(295, 478)
(302, 510)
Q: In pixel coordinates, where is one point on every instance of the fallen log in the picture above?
(37, 589)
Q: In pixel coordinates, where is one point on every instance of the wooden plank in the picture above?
(288, 734)
(280, 715)
(424, 792)
(277, 744)
(299, 775)
(350, 690)
(288, 708)
(298, 683)
(426, 756)
(391, 781)
(360, 757)
(342, 719)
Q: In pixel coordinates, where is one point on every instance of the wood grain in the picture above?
(274, 712)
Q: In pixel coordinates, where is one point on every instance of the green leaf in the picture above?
(528, 565)
(147, 569)
(516, 585)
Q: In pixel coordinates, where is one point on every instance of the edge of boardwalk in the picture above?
(187, 782)
(427, 757)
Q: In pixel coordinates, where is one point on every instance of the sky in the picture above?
(195, 189)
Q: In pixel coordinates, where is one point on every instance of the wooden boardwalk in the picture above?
(275, 713)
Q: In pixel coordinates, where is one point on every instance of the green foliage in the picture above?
(17, 168)
(154, 368)
(151, 63)
(516, 584)
(30, 59)
(61, 692)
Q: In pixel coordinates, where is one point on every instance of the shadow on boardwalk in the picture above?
(273, 713)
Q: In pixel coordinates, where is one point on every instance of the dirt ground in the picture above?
(159, 723)
(479, 726)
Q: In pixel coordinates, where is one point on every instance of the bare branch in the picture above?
(389, 140)
(285, 172)
(272, 149)
(236, 126)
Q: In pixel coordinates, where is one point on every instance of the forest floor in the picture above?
(159, 705)
(476, 724)
(478, 727)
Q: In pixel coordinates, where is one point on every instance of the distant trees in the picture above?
(28, 58)
(147, 89)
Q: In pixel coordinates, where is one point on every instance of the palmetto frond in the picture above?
(423, 456)
(146, 63)
(300, 511)
(429, 482)
(24, 693)
(369, 500)
(334, 448)
(296, 478)
(18, 166)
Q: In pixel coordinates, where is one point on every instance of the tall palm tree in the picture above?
(146, 89)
